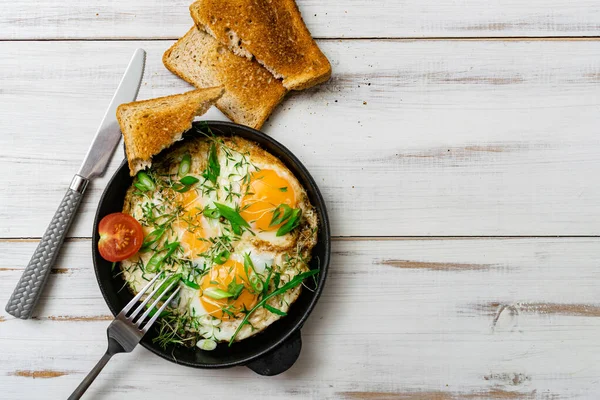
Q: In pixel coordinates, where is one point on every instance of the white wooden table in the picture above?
(457, 146)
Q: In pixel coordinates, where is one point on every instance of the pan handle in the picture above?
(279, 360)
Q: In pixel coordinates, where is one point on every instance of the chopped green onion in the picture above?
(191, 284)
(189, 180)
(211, 213)
(283, 189)
(235, 289)
(154, 310)
(207, 344)
(214, 168)
(222, 257)
(152, 238)
(291, 224)
(248, 264)
(145, 180)
(279, 216)
(216, 293)
(184, 166)
(163, 286)
(141, 187)
(157, 260)
(256, 283)
(178, 187)
(297, 280)
(232, 215)
(236, 229)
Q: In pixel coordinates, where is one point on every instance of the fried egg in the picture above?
(227, 261)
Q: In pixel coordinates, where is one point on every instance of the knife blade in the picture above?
(30, 285)
(108, 134)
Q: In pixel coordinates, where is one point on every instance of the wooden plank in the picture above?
(48, 19)
(399, 319)
(408, 138)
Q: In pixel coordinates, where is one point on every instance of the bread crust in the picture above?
(251, 92)
(273, 32)
(149, 126)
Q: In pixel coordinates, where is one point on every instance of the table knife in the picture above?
(29, 288)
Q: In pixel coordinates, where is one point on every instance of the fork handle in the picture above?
(87, 381)
(29, 288)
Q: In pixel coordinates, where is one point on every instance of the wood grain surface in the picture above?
(456, 146)
(409, 138)
(522, 326)
(50, 19)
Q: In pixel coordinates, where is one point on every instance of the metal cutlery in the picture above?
(126, 331)
(29, 287)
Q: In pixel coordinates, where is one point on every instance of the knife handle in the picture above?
(28, 290)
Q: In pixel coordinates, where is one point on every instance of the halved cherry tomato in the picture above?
(121, 236)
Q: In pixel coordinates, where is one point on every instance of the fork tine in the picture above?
(146, 300)
(138, 296)
(149, 309)
(160, 310)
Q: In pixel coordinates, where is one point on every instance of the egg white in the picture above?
(265, 248)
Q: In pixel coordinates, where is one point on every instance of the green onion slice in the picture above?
(191, 284)
(297, 280)
(232, 215)
(291, 224)
(256, 283)
(158, 259)
(281, 213)
(216, 293)
(152, 238)
(211, 213)
(222, 257)
(184, 166)
(141, 187)
(189, 180)
(145, 180)
(207, 344)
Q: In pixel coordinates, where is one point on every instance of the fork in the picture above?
(126, 331)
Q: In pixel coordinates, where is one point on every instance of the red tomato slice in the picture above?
(121, 236)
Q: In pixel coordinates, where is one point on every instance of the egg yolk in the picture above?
(220, 277)
(190, 225)
(267, 191)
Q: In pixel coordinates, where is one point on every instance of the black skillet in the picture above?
(270, 352)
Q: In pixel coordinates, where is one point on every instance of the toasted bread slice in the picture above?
(150, 126)
(251, 92)
(271, 31)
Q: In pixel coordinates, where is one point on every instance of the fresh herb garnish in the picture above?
(191, 284)
(233, 216)
(184, 166)
(144, 182)
(235, 288)
(213, 170)
(189, 180)
(288, 216)
(283, 189)
(253, 278)
(275, 310)
(211, 213)
(152, 238)
(157, 260)
(216, 293)
(222, 257)
(281, 214)
(297, 280)
(291, 224)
